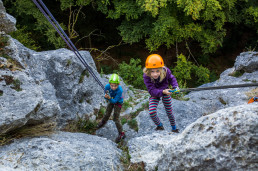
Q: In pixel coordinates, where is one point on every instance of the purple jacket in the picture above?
(155, 87)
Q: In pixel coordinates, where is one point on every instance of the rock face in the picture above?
(224, 140)
(213, 100)
(7, 22)
(247, 61)
(24, 104)
(218, 129)
(62, 151)
(53, 86)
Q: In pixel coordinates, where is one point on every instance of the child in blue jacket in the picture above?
(115, 101)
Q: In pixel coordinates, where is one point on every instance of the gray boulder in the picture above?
(53, 86)
(61, 151)
(24, 104)
(247, 61)
(225, 140)
(213, 100)
(61, 77)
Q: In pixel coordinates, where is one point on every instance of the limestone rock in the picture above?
(61, 151)
(225, 140)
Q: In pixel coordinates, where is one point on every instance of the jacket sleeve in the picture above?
(172, 79)
(154, 92)
(117, 97)
(106, 88)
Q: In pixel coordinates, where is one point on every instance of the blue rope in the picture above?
(44, 10)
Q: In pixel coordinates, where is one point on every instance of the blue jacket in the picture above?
(116, 96)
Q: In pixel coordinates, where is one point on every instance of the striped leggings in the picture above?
(153, 104)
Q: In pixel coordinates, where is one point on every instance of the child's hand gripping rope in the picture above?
(107, 96)
(176, 90)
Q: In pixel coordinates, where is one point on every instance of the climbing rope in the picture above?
(219, 87)
(44, 10)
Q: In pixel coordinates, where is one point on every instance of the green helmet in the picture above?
(114, 78)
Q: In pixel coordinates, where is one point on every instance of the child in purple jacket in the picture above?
(157, 79)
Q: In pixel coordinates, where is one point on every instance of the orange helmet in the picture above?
(154, 61)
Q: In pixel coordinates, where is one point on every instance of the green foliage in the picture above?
(101, 112)
(84, 72)
(25, 37)
(1, 92)
(82, 125)
(33, 21)
(202, 74)
(126, 104)
(144, 106)
(163, 22)
(105, 69)
(237, 73)
(132, 73)
(182, 71)
(213, 76)
(188, 74)
(180, 95)
(133, 124)
(157, 22)
(68, 62)
(3, 41)
(123, 121)
(16, 85)
(125, 157)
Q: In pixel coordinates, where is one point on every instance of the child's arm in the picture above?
(172, 79)
(154, 92)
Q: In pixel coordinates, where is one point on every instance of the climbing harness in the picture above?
(217, 87)
(44, 10)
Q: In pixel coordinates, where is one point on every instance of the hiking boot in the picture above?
(120, 137)
(159, 128)
(175, 130)
(100, 125)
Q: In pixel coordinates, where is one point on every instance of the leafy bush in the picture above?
(237, 73)
(25, 38)
(86, 125)
(3, 41)
(101, 112)
(123, 121)
(104, 69)
(188, 74)
(132, 73)
(133, 124)
(126, 105)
